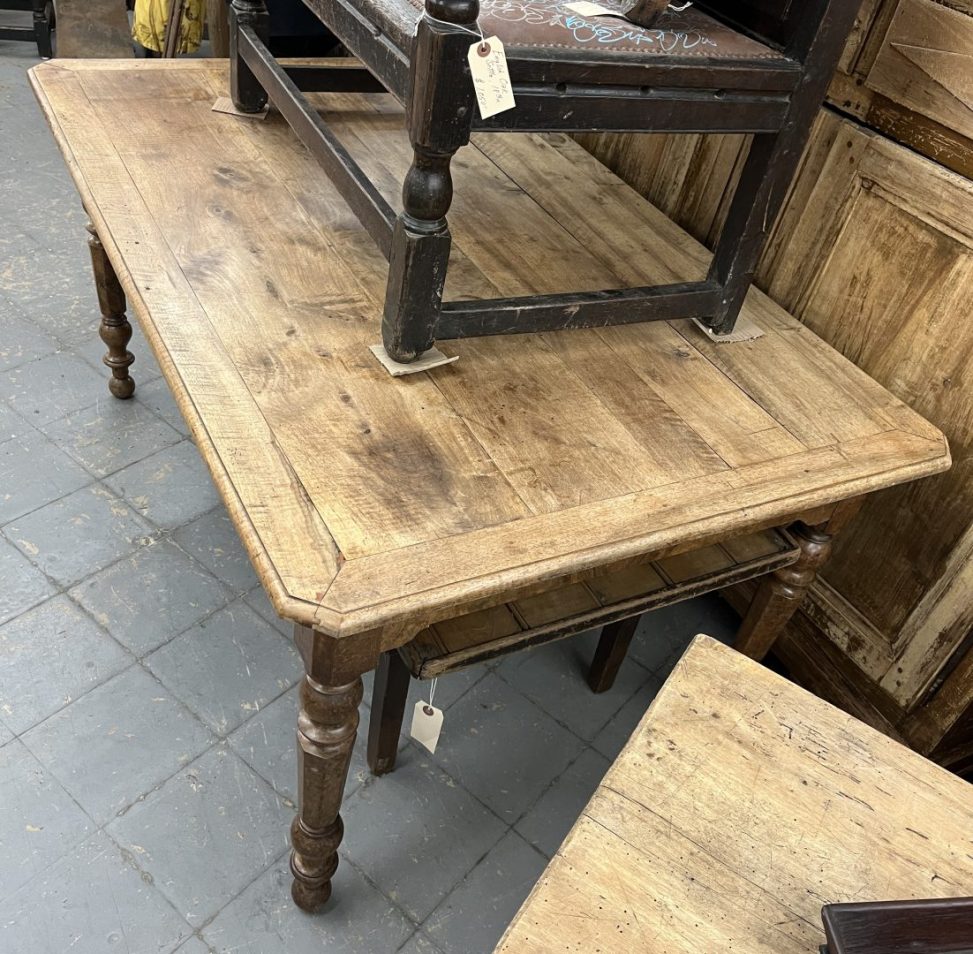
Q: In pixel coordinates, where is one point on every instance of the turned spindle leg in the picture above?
(781, 593)
(115, 330)
(439, 115)
(326, 729)
(247, 94)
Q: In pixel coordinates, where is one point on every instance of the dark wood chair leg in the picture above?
(247, 94)
(389, 694)
(439, 116)
(774, 158)
(42, 29)
(612, 647)
(780, 593)
(115, 330)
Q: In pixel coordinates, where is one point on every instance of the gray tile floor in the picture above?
(147, 698)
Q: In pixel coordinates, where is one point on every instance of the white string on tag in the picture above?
(457, 26)
(432, 689)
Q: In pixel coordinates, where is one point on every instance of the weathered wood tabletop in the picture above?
(372, 507)
(739, 807)
(365, 500)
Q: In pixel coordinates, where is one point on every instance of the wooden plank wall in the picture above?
(874, 251)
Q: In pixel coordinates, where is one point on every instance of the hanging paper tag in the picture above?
(491, 79)
(585, 9)
(427, 723)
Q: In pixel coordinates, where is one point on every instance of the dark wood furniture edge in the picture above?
(934, 926)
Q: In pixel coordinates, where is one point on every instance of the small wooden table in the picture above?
(373, 507)
(739, 807)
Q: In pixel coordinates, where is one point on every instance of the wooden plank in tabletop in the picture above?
(386, 464)
(265, 499)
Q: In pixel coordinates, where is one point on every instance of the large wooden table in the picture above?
(372, 506)
(740, 806)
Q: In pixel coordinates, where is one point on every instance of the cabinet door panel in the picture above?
(926, 64)
(875, 254)
(874, 251)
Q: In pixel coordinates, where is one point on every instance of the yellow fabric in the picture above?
(149, 28)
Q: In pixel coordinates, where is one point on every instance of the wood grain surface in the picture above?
(366, 501)
(93, 28)
(740, 806)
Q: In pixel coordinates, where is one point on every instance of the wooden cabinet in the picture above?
(874, 251)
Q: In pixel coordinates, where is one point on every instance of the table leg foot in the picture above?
(247, 94)
(314, 861)
(115, 331)
(326, 729)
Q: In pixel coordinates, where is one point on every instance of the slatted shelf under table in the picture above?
(488, 634)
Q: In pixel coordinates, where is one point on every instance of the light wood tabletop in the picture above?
(365, 500)
(372, 506)
(740, 806)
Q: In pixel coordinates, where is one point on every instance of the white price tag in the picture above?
(427, 724)
(585, 9)
(491, 79)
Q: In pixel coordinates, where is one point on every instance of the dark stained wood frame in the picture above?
(39, 31)
(775, 100)
(936, 926)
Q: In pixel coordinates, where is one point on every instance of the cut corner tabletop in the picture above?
(371, 503)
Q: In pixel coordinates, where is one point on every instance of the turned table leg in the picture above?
(115, 330)
(780, 594)
(326, 728)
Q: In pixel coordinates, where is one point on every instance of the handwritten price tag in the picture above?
(491, 79)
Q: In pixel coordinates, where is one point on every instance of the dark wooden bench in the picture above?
(720, 66)
(38, 30)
